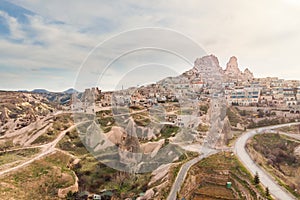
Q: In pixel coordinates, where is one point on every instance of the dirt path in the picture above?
(46, 149)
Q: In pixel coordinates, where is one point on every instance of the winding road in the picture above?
(277, 191)
(185, 168)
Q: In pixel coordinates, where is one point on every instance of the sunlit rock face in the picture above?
(232, 69)
(233, 72)
(248, 75)
(209, 69)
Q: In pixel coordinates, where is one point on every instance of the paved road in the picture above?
(239, 148)
(184, 169)
(215, 118)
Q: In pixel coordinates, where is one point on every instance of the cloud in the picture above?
(264, 35)
(37, 44)
(15, 29)
(54, 45)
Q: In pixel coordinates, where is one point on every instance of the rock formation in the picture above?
(208, 68)
(233, 73)
(248, 75)
(232, 68)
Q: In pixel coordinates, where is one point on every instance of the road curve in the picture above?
(277, 191)
(183, 172)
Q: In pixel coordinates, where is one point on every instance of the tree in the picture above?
(256, 179)
(243, 113)
(71, 195)
(261, 113)
(267, 192)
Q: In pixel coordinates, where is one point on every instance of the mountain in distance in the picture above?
(23, 91)
(41, 91)
(70, 91)
(58, 97)
(44, 91)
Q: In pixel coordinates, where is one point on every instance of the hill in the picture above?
(18, 110)
(70, 91)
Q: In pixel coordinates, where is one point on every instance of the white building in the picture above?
(289, 96)
(242, 96)
(298, 95)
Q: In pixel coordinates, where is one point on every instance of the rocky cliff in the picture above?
(208, 68)
(233, 72)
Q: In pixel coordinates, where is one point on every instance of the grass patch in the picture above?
(11, 156)
(6, 145)
(202, 128)
(72, 144)
(265, 122)
(103, 113)
(204, 108)
(106, 120)
(141, 119)
(95, 177)
(39, 180)
(168, 131)
(290, 129)
(233, 116)
(61, 123)
(106, 123)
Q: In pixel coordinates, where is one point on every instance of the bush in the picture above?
(168, 130)
(256, 179)
(204, 108)
(202, 128)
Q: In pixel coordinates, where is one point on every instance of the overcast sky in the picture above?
(44, 43)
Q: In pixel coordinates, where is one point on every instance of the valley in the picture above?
(146, 142)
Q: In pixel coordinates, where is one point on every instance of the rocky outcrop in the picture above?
(148, 195)
(226, 131)
(4, 115)
(206, 61)
(232, 69)
(152, 147)
(248, 75)
(160, 174)
(62, 192)
(208, 68)
(297, 151)
(233, 72)
(18, 109)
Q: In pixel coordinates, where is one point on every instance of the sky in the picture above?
(59, 44)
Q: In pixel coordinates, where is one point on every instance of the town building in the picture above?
(242, 96)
